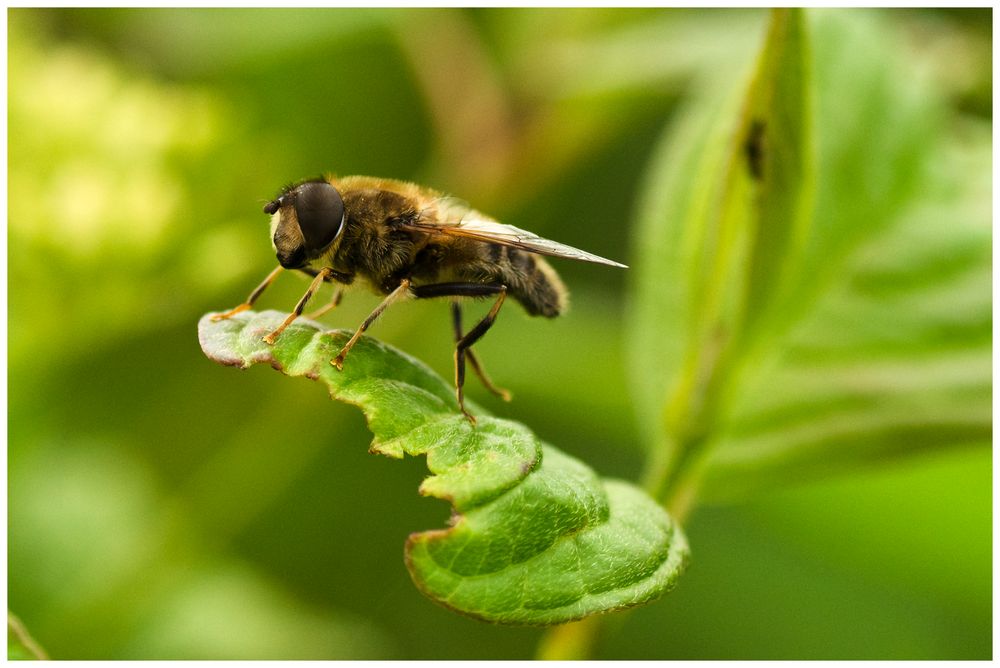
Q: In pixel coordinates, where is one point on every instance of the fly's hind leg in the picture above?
(465, 341)
(456, 315)
(461, 350)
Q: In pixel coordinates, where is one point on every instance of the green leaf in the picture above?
(20, 645)
(894, 360)
(809, 349)
(536, 537)
(722, 229)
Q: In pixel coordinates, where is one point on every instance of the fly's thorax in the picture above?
(371, 208)
(373, 245)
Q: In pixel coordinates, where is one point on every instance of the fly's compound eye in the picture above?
(320, 212)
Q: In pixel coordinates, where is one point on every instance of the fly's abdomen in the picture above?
(532, 281)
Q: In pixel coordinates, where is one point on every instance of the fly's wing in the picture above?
(492, 232)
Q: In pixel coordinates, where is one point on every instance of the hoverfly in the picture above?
(406, 241)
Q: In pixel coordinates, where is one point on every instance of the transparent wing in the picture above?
(490, 231)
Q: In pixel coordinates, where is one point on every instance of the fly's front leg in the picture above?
(403, 290)
(316, 282)
(331, 275)
(252, 298)
(474, 334)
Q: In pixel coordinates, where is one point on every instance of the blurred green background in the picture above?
(160, 506)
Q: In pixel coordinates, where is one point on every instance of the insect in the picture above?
(409, 242)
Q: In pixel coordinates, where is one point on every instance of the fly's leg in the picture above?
(466, 342)
(316, 282)
(332, 304)
(402, 291)
(456, 314)
(474, 334)
(252, 298)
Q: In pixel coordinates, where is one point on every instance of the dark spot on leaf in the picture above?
(754, 147)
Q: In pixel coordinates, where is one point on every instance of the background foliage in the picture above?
(161, 507)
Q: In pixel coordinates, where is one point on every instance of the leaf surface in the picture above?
(835, 312)
(723, 224)
(537, 537)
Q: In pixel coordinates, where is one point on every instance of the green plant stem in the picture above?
(24, 646)
(570, 642)
(673, 473)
